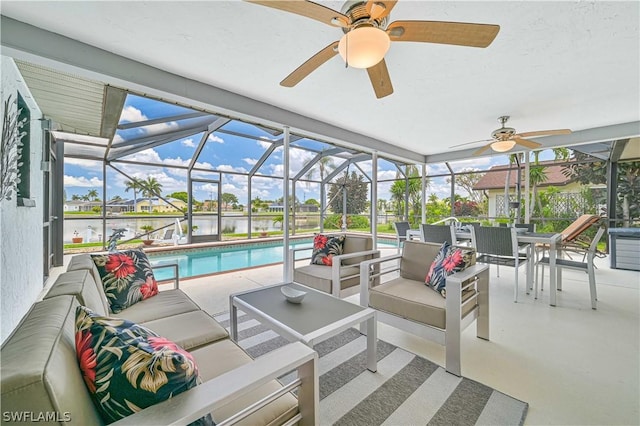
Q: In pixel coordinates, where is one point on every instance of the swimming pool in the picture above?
(211, 260)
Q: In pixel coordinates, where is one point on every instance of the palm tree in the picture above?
(150, 188)
(136, 185)
(397, 191)
(507, 184)
(92, 194)
(538, 174)
(399, 188)
(324, 163)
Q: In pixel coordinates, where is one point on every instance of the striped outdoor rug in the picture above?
(406, 389)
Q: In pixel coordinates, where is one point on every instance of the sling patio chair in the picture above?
(438, 233)
(499, 245)
(586, 266)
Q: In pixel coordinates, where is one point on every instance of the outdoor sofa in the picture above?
(41, 378)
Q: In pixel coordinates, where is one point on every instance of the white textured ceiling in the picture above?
(553, 64)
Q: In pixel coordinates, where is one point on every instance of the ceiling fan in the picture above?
(368, 35)
(505, 138)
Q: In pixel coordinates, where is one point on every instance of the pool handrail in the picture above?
(451, 218)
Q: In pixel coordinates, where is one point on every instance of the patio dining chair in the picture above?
(401, 232)
(499, 245)
(586, 266)
(438, 233)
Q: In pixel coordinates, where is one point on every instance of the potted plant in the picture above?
(264, 232)
(76, 239)
(147, 229)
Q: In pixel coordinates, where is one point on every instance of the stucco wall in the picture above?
(21, 246)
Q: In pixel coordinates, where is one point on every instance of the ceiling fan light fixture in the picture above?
(503, 146)
(364, 47)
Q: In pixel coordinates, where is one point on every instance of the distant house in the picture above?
(119, 206)
(302, 208)
(155, 204)
(81, 205)
(493, 182)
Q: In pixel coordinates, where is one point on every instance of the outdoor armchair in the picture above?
(406, 302)
(342, 278)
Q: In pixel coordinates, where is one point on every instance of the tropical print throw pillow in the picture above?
(127, 278)
(127, 367)
(448, 261)
(325, 247)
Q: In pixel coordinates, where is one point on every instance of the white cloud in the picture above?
(87, 164)
(82, 181)
(263, 144)
(188, 143)
(132, 115)
(250, 161)
(214, 138)
(228, 168)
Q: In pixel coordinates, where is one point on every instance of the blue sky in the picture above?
(228, 153)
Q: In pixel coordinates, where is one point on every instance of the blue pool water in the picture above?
(204, 261)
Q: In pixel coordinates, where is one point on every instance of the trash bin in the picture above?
(624, 248)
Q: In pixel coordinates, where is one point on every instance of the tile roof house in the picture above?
(493, 183)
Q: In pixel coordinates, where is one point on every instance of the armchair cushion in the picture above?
(128, 367)
(448, 261)
(127, 278)
(413, 301)
(319, 277)
(325, 247)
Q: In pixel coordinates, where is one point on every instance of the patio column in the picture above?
(374, 198)
(288, 267)
(453, 190)
(527, 196)
(104, 205)
(423, 207)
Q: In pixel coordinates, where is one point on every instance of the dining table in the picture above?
(551, 242)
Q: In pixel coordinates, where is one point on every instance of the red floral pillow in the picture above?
(448, 261)
(325, 247)
(128, 367)
(127, 278)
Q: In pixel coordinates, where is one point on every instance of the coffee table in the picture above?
(317, 318)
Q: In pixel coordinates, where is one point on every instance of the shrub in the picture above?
(334, 221)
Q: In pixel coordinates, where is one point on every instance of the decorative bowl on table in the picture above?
(521, 230)
(292, 295)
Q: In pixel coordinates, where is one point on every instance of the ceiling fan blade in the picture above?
(310, 65)
(307, 8)
(526, 143)
(483, 149)
(458, 33)
(470, 143)
(379, 76)
(544, 133)
(378, 9)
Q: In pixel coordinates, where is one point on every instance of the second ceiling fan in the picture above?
(368, 35)
(505, 138)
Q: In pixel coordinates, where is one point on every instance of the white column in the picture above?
(374, 198)
(423, 207)
(527, 196)
(285, 191)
